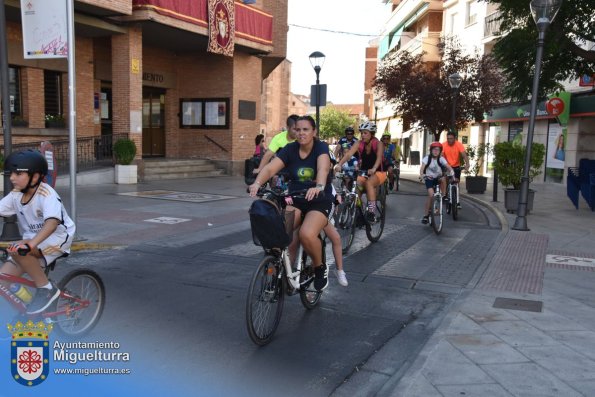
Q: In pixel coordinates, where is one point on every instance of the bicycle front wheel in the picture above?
(264, 303)
(454, 199)
(436, 214)
(374, 229)
(80, 303)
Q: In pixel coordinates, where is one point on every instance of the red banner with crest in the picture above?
(221, 27)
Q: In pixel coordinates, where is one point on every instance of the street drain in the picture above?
(518, 304)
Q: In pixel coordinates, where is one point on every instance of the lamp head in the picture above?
(544, 12)
(317, 60)
(455, 80)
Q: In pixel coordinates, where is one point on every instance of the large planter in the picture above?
(126, 174)
(55, 124)
(511, 200)
(476, 184)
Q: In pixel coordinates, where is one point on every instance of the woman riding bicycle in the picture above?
(371, 152)
(308, 164)
(432, 172)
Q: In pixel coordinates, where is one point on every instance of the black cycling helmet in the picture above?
(349, 129)
(29, 161)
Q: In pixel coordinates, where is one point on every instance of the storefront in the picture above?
(143, 72)
(563, 148)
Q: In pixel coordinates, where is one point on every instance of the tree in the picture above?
(567, 51)
(333, 122)
(419, 91)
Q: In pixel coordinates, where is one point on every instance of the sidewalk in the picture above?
(526, 324)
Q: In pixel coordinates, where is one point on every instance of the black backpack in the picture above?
(268, 225)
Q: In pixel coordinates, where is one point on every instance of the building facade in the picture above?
(143, 72)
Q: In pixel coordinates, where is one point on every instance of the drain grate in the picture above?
(518, 304)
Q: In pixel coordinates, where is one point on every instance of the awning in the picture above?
(407, 134)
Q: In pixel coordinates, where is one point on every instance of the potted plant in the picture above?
(124, 152)
(476, 154)
(54, 121)
(509, 161)
(19, 121)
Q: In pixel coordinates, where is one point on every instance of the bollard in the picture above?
(495, 186)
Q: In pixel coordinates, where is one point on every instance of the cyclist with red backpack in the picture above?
(432, 171)
(371, 153)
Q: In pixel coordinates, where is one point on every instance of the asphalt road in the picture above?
(179, 308)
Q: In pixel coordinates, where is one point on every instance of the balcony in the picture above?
(492, 25)
(424, 42)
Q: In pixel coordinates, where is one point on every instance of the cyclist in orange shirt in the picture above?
(452, 152)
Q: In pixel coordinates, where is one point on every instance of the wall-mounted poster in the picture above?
(45, 32)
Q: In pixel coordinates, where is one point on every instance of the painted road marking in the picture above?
(192, 197)
(570, 260)
(167, 220)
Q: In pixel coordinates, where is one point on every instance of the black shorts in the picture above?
(305, 206)
(457, 171)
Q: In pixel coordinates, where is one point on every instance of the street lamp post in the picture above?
(317, 60)
(544, 12)
(454, 80)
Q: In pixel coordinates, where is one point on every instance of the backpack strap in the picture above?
(430, 158)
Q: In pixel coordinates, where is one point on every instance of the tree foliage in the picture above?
(568, 49)
(419, 91)
(333, 122)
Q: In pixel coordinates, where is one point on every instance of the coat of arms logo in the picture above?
(29, 352)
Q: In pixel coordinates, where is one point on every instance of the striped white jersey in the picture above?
(45, 204)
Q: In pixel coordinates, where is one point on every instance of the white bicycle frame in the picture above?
(293, 277)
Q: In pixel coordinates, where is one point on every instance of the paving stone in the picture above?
(529, 380)
(580, 341)
(549, 321)
(463, 325)
(586, 387)
(486, 349)
(518, 333)
(486, 390)
(479, 308)
(460, 370)
(566, 363)
(419, 387)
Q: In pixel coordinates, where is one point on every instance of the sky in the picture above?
(343, 69)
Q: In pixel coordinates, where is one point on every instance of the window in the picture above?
(14, 90)
(514, 128)
(453, 20)
(471, 12)
(204, 113)
(52, 92)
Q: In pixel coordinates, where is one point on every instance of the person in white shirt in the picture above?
(47, 229)
(432, 171)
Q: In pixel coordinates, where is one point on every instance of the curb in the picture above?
(81, 246)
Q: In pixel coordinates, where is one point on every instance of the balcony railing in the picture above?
(92, 152)
(492, 24)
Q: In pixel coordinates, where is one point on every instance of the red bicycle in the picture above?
(74, 313)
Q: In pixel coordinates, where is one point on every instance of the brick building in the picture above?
(143, 72)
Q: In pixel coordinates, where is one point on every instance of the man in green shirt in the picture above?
(278, 142)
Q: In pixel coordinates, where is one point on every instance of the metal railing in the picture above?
(492, 24)
(92, 152)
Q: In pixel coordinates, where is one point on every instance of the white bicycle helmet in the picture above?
(368, 126)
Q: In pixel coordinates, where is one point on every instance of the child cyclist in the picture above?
(47, 229)
(432, 171)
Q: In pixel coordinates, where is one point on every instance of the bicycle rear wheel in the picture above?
(397, 173)
(454, 199)
(436, 214)
(264, 303)
(374, 230)
(79, 287)
(308, 294)
(344, 222)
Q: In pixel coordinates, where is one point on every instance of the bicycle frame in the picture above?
(21, 307)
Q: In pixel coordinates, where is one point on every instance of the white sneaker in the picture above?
(341, 277)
